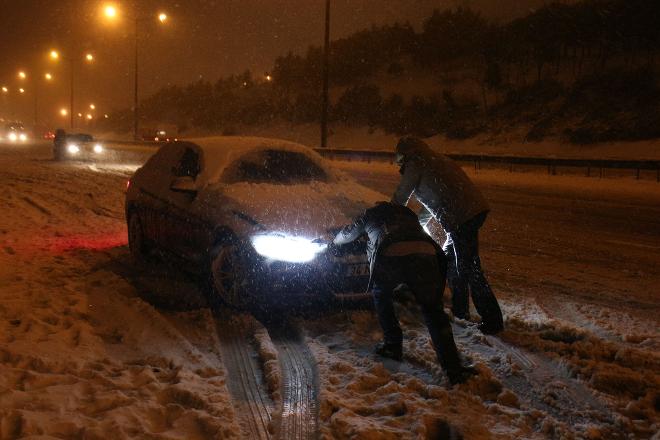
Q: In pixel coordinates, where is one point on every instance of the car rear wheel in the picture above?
(136, 242)
(229, 276)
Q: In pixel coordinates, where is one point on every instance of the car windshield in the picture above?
(275, 166)
(80, 137)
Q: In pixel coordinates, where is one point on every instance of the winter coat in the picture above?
(385, 224)
(439, 184)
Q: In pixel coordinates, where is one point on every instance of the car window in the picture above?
(188, 165)
(275, 166)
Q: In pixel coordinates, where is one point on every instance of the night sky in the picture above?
(203, 39)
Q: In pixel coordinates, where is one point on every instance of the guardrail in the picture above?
(478, 159)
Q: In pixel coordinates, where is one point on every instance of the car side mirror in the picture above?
(184, 184)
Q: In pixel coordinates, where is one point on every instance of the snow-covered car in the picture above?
(252, 214)
(78, 146)
(14, 132)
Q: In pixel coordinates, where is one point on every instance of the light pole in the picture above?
(23, 76)
(111, 13)
(55, 55)
(326, 63)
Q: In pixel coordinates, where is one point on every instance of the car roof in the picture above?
(219, 152)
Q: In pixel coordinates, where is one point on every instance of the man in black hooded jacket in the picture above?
(400, 252)
(450, 197)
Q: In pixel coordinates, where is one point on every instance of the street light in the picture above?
(111, 13)
(64, 112)
(92, 106)
(22, 74)
(55, 55)
(5, 89)
(48, 76)
(21, 90)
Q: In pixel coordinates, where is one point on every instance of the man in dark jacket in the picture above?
(59, 144)
(456, 203)
(400, 252)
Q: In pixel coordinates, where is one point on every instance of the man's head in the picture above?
(407, 147)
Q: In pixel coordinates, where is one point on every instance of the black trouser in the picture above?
(421, 274)
(465, 276)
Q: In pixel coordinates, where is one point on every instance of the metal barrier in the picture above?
(477, 159)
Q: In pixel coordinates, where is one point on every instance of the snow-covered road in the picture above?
(93, 347)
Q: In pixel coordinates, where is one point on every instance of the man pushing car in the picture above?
(456, 203)
(400, 252)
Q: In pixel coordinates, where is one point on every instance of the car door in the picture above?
(187, 232)
(153, 181)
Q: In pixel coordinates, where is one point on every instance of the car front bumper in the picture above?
(328, 278)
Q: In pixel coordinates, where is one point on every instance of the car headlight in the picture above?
(22, 137)
(285, 248)
(98, 148)
(73, 148)
(12, 137)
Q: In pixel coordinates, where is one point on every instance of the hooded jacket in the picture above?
(386, 224)
(438, 183)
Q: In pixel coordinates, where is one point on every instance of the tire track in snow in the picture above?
(300, 385)
(245, 379)
(539, 381)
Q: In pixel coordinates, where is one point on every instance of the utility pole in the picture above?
(136, 114)
(326, 63)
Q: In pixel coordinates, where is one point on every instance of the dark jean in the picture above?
(465, 276)
(421, 274)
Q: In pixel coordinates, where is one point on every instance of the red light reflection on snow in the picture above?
(87, 242)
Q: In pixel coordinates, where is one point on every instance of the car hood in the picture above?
(307, 210)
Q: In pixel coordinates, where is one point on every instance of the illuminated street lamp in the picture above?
(64, 112)
(55, 55)
(111, 13)
(22, 74)
(89, 116)
(92, 106)
(48, 76)
(21, 90)
(269, 78)
(5, 89)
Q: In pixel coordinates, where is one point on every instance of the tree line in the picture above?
(561, 47)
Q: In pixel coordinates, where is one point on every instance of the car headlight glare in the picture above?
(12, 137)
(73, 148)
(285, 248)
(22, 137)
(98, 148)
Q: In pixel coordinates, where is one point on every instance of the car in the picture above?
(254, 216)
(78, 146)
(158, 136)
(14, 132)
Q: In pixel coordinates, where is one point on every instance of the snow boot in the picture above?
(391, 351)
(461, 374)
(490, 328)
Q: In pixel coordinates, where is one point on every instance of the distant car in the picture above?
(254, 216)
(158, 136)
(14, 132)
(77, 146)
(49, 135)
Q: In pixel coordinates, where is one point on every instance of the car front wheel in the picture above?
(230, 276)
